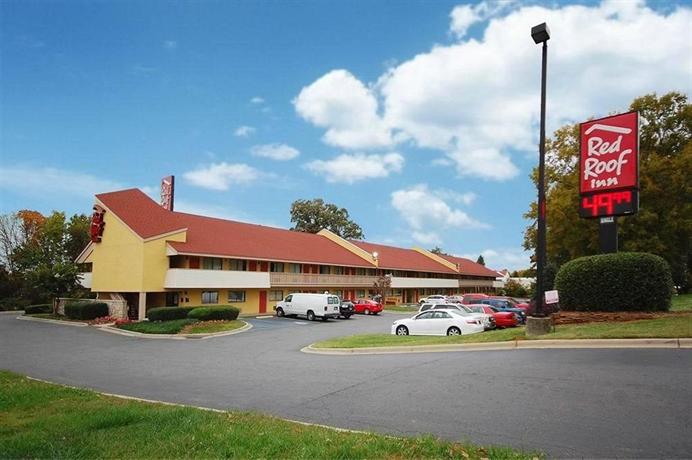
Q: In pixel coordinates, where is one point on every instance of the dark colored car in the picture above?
(505, 305)
(515, 303)
(502, 318)
(367, 307)
(347, 309)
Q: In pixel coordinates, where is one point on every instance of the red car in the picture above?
(468, 299)
(502, 318)
(367, 307)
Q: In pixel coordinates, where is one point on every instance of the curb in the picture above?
(508, 345)
(115, 330)
(53, 321)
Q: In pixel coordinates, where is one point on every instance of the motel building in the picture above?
(149, 256)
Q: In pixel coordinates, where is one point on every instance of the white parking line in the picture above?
(300, 322)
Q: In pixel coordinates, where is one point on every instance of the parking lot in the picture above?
(568, 403)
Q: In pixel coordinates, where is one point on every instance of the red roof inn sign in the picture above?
(609, 166)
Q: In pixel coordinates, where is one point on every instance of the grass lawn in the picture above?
(41, 420)
(158, 327)
(401, 308)
(208, 327)
(668, 327)
(682, 302)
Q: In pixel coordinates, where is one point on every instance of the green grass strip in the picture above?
(209, 327)
(682, 302)
(40, 420)
(158, 327)
(668, 327)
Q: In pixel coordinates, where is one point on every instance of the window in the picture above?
(360, 293)
(288, 299)
(277, 267)
(294, 268)
(360, 271)
(338, 270)
(212, 263)
(426, 315)
(440, 315)
(276, 295)
(237, 265)
(324, 269)
(236, 296)
(210, 296)
(333, 300)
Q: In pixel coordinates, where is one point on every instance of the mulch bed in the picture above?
(578, 317)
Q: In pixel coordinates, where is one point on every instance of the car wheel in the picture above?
(453, 331)
(366, 311)
(401, 330)
(347, 316)
(311, 315)
(280, 312)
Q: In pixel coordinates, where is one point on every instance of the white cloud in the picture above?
(427, 212)
(28, 180)
(509, 258)
(450, 195)
(244, 131)
(280, 152)
(221, 176)
(478, 100)
(351, 168)
(257, 100)
(340, 103)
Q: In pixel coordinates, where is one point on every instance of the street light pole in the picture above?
(541, 34)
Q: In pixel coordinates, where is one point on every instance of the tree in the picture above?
(480, 260)
(313, 215)
(663, 225)
(381, 286)
(77, 235)
(514, 289)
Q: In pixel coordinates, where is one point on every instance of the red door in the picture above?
(253, 266)
(264, 266)
(263, 302)
(194, 262)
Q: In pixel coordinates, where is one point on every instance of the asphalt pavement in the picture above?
(633, 403)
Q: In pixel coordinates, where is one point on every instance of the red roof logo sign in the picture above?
(609, 153)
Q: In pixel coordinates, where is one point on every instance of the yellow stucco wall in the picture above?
(123, 262)
(250, 306)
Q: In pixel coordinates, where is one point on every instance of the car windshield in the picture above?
(458, 312)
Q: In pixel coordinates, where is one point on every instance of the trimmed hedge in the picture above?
(86, 310)
(42, 308)
(625, 281)
(167, 313)
(223, 312)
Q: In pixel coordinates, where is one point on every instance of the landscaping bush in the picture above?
(167, 313)
(13, 303)
(625, 281)
(224, 312)
(86, 310)
(42, 308)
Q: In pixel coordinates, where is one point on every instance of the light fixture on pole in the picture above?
(541, 34)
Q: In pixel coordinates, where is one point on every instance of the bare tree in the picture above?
(11, 237)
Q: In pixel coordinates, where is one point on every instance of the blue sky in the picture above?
(418, 117)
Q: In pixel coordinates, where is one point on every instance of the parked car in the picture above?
(367, 307)
(488, 320)
(502, 318)
(505, 305)
(468, 299)
(516, 303)
(435, 298)
(346, 309)
(455, 299)
(438, 322)
(312, 306)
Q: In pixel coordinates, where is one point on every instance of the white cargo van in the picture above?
(309, 305)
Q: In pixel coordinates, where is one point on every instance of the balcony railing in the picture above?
(308, 279)
(405, 283)
(183, 278)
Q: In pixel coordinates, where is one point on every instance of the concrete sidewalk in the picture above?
(508, 345)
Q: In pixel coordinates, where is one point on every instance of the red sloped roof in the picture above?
(208, 235)
(394, 258)
(468, 267)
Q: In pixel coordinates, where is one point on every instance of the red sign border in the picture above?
(636, 186)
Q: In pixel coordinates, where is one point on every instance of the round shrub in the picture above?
(166, 313)
(223, 312)
(86, 310)
(42, 308)
(625, 281)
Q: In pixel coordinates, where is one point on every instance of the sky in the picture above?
(418, 117)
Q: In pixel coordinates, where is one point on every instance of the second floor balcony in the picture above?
(311, 279)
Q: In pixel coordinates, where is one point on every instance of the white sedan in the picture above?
(438, 322)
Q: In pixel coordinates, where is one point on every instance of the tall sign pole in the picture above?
(167, 192)
(541, 34)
